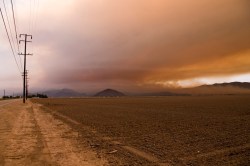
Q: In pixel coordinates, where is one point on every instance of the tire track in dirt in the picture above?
(29, 136)
(25, 143)
(62, 142)
(5, 130)
(137, 152)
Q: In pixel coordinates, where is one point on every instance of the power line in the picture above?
(9, 41)
(8, 22)
(14, 19)
(30, 17)
(33, 11)
(33, 5)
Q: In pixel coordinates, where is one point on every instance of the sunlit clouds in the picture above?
(139, 44)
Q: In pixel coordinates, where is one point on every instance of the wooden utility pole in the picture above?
(24, 66)
(27, 86)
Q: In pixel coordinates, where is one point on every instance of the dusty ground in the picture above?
(30, 136)
(201, 130)
(210, 130)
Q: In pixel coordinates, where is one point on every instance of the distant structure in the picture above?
(38, 95)
(109, 93)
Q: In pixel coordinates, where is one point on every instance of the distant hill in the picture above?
(109, 93)
(218, 89)
(245, 85)
(63, 93)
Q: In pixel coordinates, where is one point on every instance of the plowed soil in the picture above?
(201, 130)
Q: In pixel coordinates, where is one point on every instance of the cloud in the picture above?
(139, 42)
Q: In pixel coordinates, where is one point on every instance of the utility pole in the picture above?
(4, 93)
(27, 86)
(24, 66)
(25, 75)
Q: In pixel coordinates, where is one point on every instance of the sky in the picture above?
(129, 45)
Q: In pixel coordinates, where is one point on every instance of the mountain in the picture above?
(109, 93)
(245, 85)
(63, 93)
(218, 89)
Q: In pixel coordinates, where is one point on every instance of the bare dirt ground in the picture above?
(201, 130)
(30, 136)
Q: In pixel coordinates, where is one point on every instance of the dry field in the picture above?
(201, 130)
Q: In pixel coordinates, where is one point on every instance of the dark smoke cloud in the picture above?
(135, 43)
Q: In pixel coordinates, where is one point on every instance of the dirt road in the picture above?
(29, 136)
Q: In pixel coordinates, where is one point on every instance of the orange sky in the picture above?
(145, 44)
